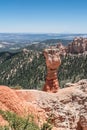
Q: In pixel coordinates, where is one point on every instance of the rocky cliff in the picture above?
(67, 109)
(79, 45)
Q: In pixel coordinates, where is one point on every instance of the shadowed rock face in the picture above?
(52, 61)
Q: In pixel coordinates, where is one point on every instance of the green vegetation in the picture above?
(46, 126)
(40, 45)
(22, 69)
(53, 42)
(20, 123)
(27, 69)
(72, 69)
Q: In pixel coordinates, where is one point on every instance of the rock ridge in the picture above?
(67, 109)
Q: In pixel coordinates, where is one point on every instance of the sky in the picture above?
(43, 16)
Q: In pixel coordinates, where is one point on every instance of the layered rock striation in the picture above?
(79, 45)
(53, 62)
(67, 109)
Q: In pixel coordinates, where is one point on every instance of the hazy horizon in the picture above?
(43, 16)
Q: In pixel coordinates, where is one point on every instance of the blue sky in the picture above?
(43, 16)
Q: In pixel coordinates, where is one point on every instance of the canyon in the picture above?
(66, 108)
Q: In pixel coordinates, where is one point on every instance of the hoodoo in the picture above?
(53, 61)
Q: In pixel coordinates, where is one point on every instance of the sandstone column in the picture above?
(52, 62)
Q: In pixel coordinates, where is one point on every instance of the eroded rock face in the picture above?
(20, 103)
(52, 61)
(67, 109)
(79, 45)
(62, 49)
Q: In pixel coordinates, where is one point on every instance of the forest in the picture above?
(27, 69)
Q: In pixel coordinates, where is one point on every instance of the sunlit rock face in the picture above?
(52, 62)
(79, 45)
(67, 109)
(62, 49)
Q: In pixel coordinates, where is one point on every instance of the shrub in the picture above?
(21, 123)
(18, 123)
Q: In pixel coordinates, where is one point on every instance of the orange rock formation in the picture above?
(78, 45)
(61, 48)
(18, 102)
(66, 109)
(52, 61)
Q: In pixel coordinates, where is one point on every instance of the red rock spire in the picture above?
(52, 61)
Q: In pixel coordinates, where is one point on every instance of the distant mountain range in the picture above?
(15, 41)
(37, 37)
